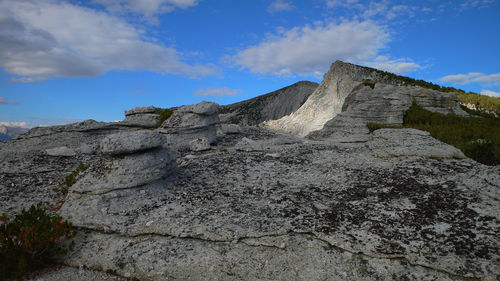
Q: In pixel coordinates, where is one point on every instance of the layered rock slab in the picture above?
(191, 122)
(384, 104)
(405, 215)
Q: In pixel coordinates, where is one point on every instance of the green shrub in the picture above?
(70, 180)
(31, 240)
(164, 113)
(477, 138)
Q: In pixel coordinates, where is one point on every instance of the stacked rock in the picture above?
(192, 127)
(142, 116)
(134, 159)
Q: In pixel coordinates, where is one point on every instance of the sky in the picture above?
(65, 61)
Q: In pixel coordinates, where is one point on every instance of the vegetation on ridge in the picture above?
(164, 114)
(483, 104)
(70, 179)
(30, 241)
(477, 138)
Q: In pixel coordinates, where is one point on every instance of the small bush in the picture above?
(164, 114)
(30, 241)
(70, 180)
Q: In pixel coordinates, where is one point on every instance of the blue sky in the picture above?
(67, 61)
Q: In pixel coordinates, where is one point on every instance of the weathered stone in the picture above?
(146, 120)
(200, 144)
(141, 110)
(228, 129)
(410, 142)
(131, 171)
(191, 122)
(131, 142)
(60, 151)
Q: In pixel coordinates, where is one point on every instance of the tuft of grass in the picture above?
(164, 114)
(372, 126)
(477, 138)
(31, 240)
(70, 180)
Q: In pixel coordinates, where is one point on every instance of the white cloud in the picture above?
(146, 7)
(44, 39)
(279, 6)
(398, 66)
(468, 4)
(15, 124)
(217, 92)
(375, 10)
(4, 100)
(473, 77)
(343, 3)
(309, 49)
(490, 93)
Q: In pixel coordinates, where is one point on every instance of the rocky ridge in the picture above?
(365, 87)
(257, 204)
(270, 106)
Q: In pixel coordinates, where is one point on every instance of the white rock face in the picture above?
(323, 104)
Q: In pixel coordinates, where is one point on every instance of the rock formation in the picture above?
(256, 204)
(146, 117)
(191, 125)
(372, 87)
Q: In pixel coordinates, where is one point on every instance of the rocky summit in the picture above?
(256, 192)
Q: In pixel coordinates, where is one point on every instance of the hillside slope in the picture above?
(270, 106)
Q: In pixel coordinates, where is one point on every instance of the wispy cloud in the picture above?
(43, 39)
(398, 66)
(217, 92)
(490, 93)
(468, 4)
(280, 6)
(147, 8)
(137, 92)
(4, 100)
(473, 77)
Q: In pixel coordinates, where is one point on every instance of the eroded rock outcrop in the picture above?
(191, 122)
(385, 104)
(373, 94)
(142, 116)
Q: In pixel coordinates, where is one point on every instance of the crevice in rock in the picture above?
(310, 235)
